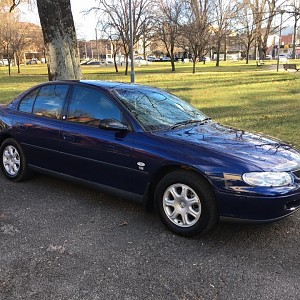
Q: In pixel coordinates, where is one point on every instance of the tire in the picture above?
(13, 161)
(186, 204)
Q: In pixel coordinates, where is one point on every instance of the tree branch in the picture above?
(14, 5)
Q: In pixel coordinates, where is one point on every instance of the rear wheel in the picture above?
(185, 203)
(13, 163)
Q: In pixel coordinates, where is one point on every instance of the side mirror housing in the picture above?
(112, 124)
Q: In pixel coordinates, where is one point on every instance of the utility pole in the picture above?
(296, 19)
(132, 74)
(279, 42)
(97, 46)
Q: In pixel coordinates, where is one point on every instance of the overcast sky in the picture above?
(85, 24)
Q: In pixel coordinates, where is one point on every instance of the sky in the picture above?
(85, 24)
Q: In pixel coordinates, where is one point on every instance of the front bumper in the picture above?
(257, 208)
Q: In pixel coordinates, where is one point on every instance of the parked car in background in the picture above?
(4, 62)
(165, 58)
(141, 61)
(92, 62)
(145, 144)
(283, 57)
(32, 61)
(152, 58)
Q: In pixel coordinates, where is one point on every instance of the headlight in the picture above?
(268, 178)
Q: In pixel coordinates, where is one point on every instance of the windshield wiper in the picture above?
(186, 122)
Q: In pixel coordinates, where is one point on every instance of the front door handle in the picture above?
(22, 127)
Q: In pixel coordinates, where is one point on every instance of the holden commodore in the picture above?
(145, 144)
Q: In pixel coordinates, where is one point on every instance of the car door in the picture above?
(37, 125)
(90, 153)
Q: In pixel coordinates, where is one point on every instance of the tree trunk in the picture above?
(294, 38)
(8, 59)
(172, 64)
(18, 60)
(225, 49)
(247, 53)
(126, 63)
(171, 55)
(115, 62)
(60, 39)
(218, 53)
(194, 64)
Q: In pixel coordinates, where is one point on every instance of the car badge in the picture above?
(141, 165)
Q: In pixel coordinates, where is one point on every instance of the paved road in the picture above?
(62, 241)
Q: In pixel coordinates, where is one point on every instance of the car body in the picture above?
(147, 145)
(152, 58)
(283, 57)
(4, 62)
(165, 58)
(141, 61)
(33, 61)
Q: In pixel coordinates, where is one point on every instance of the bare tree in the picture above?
(223, 13)
(7, 32)
(148, 33)
(294, 10)
(255, 17)
(13, 35)
(246, 22)
(195, 28)
(114, 40)
(263, 12)
(19, 42)
(267, 26)
(115, 13)
(167, 27)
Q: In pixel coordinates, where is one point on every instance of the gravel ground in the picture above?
(62, 241)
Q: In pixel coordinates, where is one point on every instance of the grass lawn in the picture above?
(245, 96)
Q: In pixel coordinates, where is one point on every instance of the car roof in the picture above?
(108, 85)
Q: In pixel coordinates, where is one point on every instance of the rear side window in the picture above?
(50, 100)
(27, 102)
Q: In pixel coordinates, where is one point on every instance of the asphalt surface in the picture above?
(62, 241)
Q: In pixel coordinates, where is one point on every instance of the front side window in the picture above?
(50, 101)
(88, 106)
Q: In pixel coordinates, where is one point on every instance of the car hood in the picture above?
(268, 154)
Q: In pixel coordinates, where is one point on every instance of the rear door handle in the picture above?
(68, 137)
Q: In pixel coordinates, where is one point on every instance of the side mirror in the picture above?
(112, 124)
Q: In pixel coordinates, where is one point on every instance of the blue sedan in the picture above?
(145, 144)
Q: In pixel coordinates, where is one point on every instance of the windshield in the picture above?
(156, 109)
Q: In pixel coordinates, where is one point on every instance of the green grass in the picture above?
(245, 96)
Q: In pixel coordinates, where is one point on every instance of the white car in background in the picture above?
(141, 61)
(4, 62)
(283, 57)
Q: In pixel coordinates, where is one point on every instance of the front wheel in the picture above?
(185, 203)
(13, 164)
